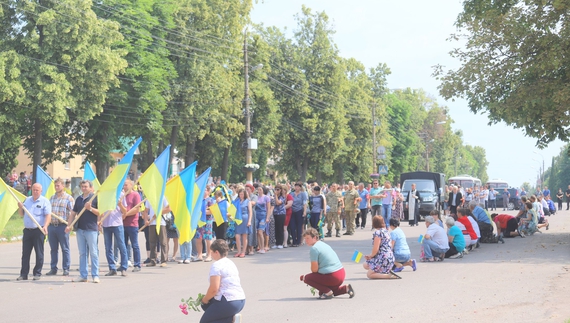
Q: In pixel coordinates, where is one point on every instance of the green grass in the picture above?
(13, 228)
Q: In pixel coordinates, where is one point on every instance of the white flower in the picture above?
(252, 166)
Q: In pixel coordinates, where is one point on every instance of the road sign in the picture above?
(383, 170)
(381, 156)
(381, 149)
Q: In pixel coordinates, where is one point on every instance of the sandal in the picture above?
(438, 259)
(327, 296)
(350, 291)
(427, 260)
(241, 255)
(394, 275)
(208, 259)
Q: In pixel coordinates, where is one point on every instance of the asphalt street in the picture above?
(523, 280)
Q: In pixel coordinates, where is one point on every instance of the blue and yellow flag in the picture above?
(8, 205)
(235, 211)
(356, 256)
(89, 175)
(110, 191)
(179, 193)
(153, 182)
(220, 211)
(48, 188)
(198, 205)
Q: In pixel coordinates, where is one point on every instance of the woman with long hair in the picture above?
(243, 229)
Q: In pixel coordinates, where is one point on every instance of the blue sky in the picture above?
(411, 37)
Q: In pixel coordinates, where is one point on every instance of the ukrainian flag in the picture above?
(48, 188)
(8, 205)
(220, 211)
(153, 182)
(198, 205)
(179, 192)
(89, 175)
(110, 190)
(235, 211)
(356, 256)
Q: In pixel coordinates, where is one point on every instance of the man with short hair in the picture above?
(334, 201)
(87, 231)
(351, 200)
(546, 191)
(435, 241)
(506, 197)
(376, 198)
(363, 206)
(454, 200)
(493, 199)
(33, 238)
(485, 227)
(130, 210)
(61, 205)
(387, 200)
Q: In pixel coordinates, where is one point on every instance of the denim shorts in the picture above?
(402, 258)
(260, 222)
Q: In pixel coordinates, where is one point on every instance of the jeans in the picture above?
(296, 226)
(116, 251)
(32, 239)
(119, 234)
(185, 250)
(56, 238)
(132, 235)
(386, 213)
(87, 243)
(431, 247)
(222, 310)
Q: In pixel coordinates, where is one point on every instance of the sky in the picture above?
(410, 36)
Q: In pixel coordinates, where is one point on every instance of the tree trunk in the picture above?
(37, 160)
(101, 169)
(225, 162)
(189, 157)
(149, 155)
(319, 177)
(340, 174)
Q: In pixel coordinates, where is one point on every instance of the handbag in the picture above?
(170, 226)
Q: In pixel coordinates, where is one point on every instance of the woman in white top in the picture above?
(225, 297)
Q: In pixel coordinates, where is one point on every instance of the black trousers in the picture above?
(279, 231)
(220, 230)
(452, 250)
(361, 218)
(487, 235)
(32, 239)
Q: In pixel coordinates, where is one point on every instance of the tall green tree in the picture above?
(67, 65)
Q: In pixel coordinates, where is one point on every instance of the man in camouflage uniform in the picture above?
(351, 200)
(334, 202)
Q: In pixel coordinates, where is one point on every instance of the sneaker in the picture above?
(414, 267)
(146, 261)
(130, 264)
(273, 247)
(22, 278)
(151, 264)
(397, 270)
(136, 269)
(80, 280)
(52, 272)
(465, 252)
(237, 318)
(457, 255)
(186, 261)
(285, 246)
(37, 277)
(111, 273)
(96, 280)
(281, 247)
(65, 272)
(123, 273)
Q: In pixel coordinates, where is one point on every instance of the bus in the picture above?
(465, 181)
(497, 184)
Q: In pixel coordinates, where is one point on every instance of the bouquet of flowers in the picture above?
(190, 303)
(251, 166)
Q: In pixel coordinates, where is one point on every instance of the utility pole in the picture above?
(374, 170)
(249, 173)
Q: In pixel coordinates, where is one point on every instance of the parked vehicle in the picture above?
(430, 188)
(514, 198)
(497, 184)
(466, 181)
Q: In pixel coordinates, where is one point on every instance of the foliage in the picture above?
(514, 65)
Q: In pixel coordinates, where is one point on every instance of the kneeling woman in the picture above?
(381, 260)
(225, 297)
(327, 273)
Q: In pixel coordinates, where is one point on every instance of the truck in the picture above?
(430, 187)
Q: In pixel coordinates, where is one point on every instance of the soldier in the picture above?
(335, 202)
(351, 200)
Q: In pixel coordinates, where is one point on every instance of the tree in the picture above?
(66, 65)
(514, 65)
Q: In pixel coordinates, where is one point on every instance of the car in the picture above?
(428, 196)
(514, 199)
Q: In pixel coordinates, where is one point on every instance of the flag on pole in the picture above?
(89, 175)
(220, 211)
(179, 192)
(8, 206)
(198, 207)
(110, 190)
(356, 256)
(153, 182)
(48, 188)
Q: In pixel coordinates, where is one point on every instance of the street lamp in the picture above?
(542, 175)
(250, 142)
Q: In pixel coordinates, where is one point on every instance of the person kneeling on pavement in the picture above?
(466, 227)
(507, 225)
(402, 254)
(484, 223)
(455, 240)
(434, 242)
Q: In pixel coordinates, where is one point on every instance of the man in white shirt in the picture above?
(435, 241)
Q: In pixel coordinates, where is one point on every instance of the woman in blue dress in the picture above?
(243, 229)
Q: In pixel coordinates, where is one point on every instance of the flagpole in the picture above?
(83, 210)
(59, 218)
(28, 212)
(105, 215)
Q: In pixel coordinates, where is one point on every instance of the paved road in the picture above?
(523, 280)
